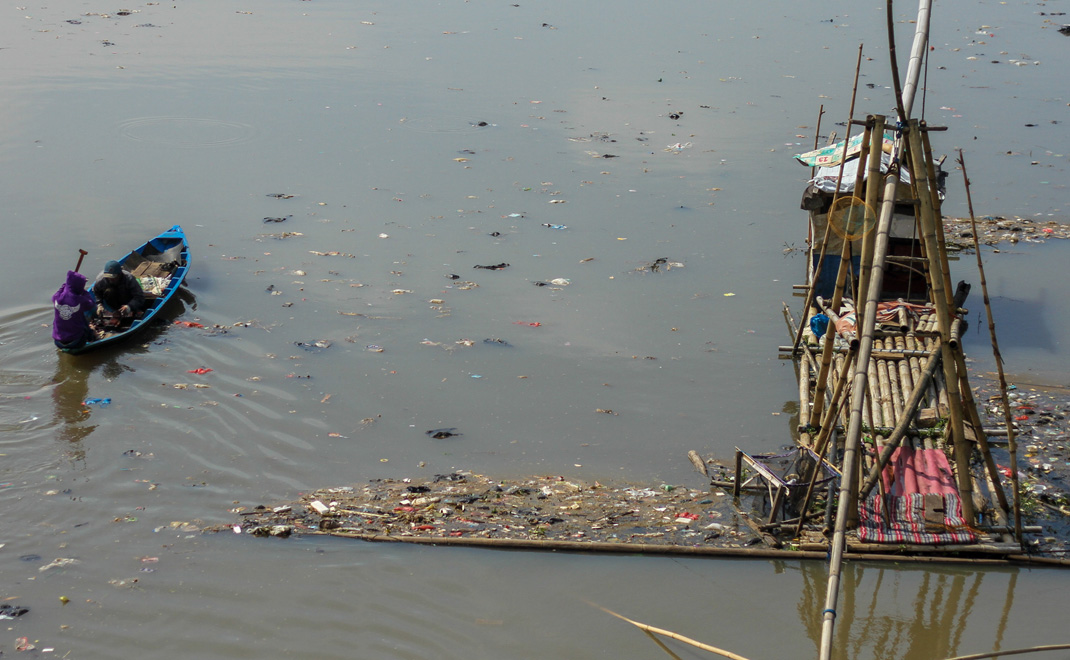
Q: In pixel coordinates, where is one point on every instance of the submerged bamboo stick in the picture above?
(671, 635)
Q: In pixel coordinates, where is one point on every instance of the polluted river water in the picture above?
(342, 171)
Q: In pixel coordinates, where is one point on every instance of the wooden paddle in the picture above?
(81, 255)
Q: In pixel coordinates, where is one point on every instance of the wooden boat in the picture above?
(160, 265)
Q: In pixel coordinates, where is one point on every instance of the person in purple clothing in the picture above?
(74, 306)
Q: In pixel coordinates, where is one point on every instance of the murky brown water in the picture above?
(438, 127)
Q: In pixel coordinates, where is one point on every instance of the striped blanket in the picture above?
(909, 523)
(922, 503)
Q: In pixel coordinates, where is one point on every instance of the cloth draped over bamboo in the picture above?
(825, 177)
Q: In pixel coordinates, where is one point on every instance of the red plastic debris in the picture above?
(189, 324)
(689, 516)
(424, 528)
(1021, 418)
(533, 324)
(457, 533)
(199, 370)
(404, 508)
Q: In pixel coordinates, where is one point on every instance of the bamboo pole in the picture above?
(859, 552)
(827, 426)
(841, 273)
(849, 481)
(962, 447)
(921, 384)
(828, 226)
(671, 635)
(917, 55)
(817, 135)
(969, 406)
(876, 152)
(804, 392)
(1000, 654)
(1012, 444)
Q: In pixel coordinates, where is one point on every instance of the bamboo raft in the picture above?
(884, 395)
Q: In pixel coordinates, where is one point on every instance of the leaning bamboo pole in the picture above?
(917, 55)
(1012, 444)
(828, 226)
(651, 631)
(919, 175)
(849, 480)
(845, 255)
(921, 385)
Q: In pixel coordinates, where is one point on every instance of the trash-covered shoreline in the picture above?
(558, 513)
(463, 504)
(995, 230)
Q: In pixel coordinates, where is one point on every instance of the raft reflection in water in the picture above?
(904, 613)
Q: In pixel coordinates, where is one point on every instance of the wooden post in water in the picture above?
(919, 174)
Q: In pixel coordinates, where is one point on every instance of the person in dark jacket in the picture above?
(74, 305)
(118, 292)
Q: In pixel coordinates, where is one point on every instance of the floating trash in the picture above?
(442, 434)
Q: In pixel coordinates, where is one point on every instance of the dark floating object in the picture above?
(480, 123)
(495, 340)
(8, 611)
(500, 266)
(280, 195)
(267, 220)
(313, 346)
(418, 489)
(453, 276)
(495, 234)
(675, 115)
(655, 266)
(540, 283)
(442, 434)
(1065, 30)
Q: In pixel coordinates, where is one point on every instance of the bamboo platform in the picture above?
(884, 394)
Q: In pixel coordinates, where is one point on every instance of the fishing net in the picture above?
(851, 219)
